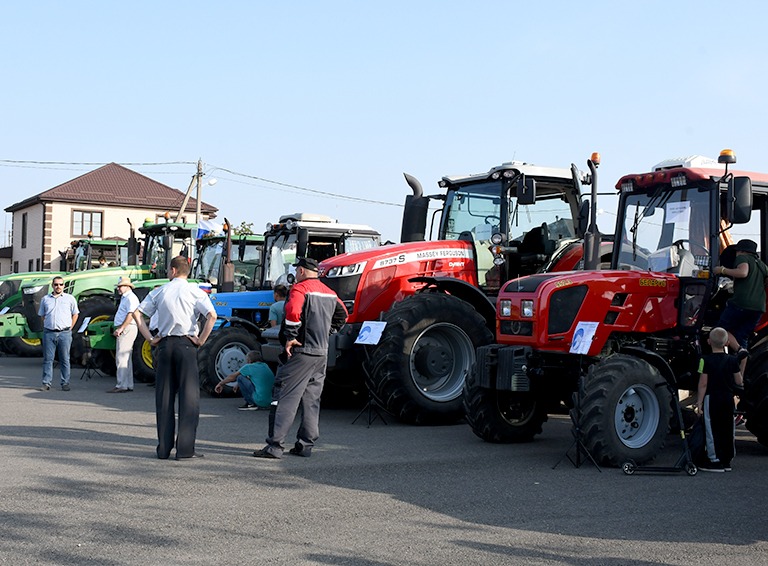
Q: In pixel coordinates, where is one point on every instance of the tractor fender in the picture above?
(241, 323)
(464, 291)
(652, 358)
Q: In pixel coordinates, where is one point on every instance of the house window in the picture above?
(84, 221)
(37, 264)
(15, 266)
(24, 230)
(31, 264)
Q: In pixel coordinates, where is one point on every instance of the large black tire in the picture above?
(21, 346)
(223, 354)
(98, 309)
(754, 401)
(418, 369)
(626, 409)
(502, 416)
(143, 361)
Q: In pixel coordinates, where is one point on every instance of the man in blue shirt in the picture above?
(59, 313)
(254, 380)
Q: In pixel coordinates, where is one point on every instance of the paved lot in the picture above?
(80, 485)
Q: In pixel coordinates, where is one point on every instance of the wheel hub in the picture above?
(434, 362)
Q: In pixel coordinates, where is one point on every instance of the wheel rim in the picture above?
(31, 341)
(637, 416)
(516, 408)
(146, 355)
(440, 360)
(230, 359)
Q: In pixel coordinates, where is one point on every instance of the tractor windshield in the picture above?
(209, 261)
(280, 257)
(665, 229)
(476, 209)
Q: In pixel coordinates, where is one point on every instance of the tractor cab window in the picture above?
(281, 255)
(208, 263)
(475, 209)
(666, 230)
(360, 243)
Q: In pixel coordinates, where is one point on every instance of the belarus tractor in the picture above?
(437, 297)
(617, 344)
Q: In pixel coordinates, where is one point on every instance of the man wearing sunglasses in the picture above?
(59, 313)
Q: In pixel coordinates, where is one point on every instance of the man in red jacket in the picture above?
(312, 312)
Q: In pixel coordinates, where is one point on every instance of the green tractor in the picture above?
(94, 289)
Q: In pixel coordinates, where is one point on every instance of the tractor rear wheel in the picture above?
(223, 354)
(417, 371)
(143, 361)
(626, 409)
(502, 416)
(754, 402)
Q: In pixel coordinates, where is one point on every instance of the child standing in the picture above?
(254, 380)
(719, 372)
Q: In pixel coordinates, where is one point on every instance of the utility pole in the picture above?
(195, 182)
(199, 186)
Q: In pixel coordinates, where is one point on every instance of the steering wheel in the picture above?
(691, 245)
(496, 220)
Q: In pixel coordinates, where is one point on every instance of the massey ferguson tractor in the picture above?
(617, 344)
(437, 297)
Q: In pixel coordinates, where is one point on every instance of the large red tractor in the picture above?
(437, 297)
(626, 338)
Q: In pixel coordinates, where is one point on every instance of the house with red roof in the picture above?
(99, 204)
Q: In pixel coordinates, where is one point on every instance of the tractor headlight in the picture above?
(346, 270)
(526, 308)
(505, 307)
(32, 290)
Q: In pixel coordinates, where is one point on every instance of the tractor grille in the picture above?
(564, 307)
(345, 288)
(516, 328)
(508, 364)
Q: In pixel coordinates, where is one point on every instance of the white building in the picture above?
(97, 204)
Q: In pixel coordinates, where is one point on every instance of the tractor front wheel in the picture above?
(502, 416)
(625, 410)
(223, 354)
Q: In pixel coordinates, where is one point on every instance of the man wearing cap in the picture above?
(744, 310)
(312, 312)
(125, 332)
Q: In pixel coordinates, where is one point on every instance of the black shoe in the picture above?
(195, 455)
(65, 387)
(300, 450)
(711, 467)
(263, 453)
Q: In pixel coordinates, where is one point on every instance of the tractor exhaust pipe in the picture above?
(415, 213)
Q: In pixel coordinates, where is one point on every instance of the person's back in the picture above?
(262, 379)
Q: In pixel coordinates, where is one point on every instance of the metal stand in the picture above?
(90, 366)
(578, 438)
(373, 409)
(372, 406)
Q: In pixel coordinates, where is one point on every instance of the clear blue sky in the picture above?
(342, 97)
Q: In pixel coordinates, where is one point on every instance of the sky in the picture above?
(321, 106)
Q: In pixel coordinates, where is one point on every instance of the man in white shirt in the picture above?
(125, 332)
(177, 305)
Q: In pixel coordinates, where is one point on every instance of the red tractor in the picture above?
(618, 343)
(437, 297)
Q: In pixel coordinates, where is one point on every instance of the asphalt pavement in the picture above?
(80, 484)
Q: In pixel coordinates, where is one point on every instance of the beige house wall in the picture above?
(33, 251)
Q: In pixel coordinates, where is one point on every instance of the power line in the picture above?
(52, 165)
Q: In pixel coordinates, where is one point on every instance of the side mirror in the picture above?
(526, 190)
(241, 250)
(583, 220)
(302, 242)
(739, 200)
(167, 242)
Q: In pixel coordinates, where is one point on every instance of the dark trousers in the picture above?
(299, 383)
(720, 429)
(176, 374)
